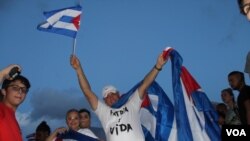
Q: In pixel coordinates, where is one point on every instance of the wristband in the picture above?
(159, 69)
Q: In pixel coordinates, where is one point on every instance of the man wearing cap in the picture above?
(121, 124)
(14, 90)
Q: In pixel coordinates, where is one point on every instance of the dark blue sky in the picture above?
(118, 43)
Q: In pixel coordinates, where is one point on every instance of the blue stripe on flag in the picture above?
(211, 117)
(66, 19)
(183, 128)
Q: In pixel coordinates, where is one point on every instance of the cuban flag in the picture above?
(72, 135)
(64, 21)
(192, 116)
(196, 117)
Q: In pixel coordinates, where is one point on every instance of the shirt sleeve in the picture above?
(101, 111)
(135, 100)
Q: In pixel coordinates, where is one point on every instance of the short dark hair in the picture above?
(21, 78)
(230, 91)
(44, 127)
(83, 110)
(239, 74)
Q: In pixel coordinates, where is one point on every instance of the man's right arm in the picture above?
(83, 82)
(4, 73)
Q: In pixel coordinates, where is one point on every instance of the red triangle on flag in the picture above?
(76, 22)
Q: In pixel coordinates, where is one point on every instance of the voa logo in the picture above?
(236, 132)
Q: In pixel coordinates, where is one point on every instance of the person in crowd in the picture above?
(85, 120)
(232, 115)
(221, 119)
(236, 80)
(221, 109)
(122, 124)
(14, 91)
(73, 123)
(42, 131)
(247, 64)
(244, 6)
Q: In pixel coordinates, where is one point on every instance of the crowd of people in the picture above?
(121, 124)
(15, 88)
(231, 111)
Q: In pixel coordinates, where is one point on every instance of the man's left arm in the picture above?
(150, 77)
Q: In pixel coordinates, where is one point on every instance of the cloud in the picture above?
(23, 118)
(53, 104)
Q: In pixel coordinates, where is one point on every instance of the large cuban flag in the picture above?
(64, 21)
(191, 118)
(196, 117)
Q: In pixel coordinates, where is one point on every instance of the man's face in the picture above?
(84, 120)
(234, 82)
(112, 98)
(246, 8)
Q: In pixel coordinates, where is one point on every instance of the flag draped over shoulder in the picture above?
(64, 21)
(191, 118)
(73, 135)
(157, 113)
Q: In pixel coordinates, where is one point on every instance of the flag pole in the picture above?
(74, 46)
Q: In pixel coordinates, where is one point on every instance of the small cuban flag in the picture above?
(64, 21)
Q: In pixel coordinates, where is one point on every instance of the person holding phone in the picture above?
(14, 91)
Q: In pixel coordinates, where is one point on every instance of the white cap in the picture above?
(108, 89)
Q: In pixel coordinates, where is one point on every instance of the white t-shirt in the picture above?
(122, 124)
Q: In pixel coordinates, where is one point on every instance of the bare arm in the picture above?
(83, 82)
(150, 77)
(54, 134)
(247, 105)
